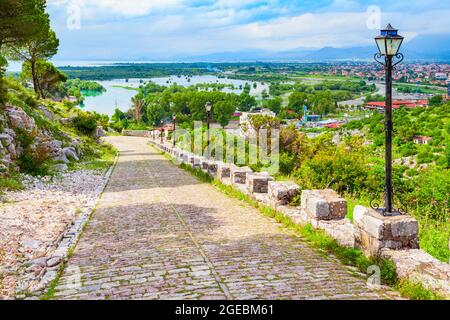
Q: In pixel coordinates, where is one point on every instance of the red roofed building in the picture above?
(396, 104)
(333, 125)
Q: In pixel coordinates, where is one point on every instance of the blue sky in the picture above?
(162, 29)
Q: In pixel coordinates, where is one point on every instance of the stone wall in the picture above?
(136, 133)
(392, 237)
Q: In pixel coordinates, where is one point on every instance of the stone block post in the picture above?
(197, 162)
(374, 231)
(204, 164)
(212, 168)
(223, 170)
(282, 193)
(258, 182)
(239, 174)
(323, 204)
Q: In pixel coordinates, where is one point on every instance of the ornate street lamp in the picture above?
(388, 42)
(162, 131)
(208, 108)
(174, 118)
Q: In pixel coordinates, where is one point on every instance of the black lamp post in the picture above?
(162, 131)
(208, 108)
(388, 42)
(174, 118)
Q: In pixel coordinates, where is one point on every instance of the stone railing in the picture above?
(136, 133)
(395, 238)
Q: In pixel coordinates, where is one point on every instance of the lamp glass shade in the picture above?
(381, 43)
(389, 41)
(208, 106)
(393, 45)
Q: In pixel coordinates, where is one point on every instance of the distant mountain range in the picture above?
(424, 47)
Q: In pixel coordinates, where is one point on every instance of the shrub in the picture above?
(287, 163)
(36, 161)
(85, 122)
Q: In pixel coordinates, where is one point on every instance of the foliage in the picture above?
(47, 76)
(10, 183)
(34, 159)
(85, 122)
(20, 21)
(355, 168)
(43, 45)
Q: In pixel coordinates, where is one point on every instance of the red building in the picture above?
(396, 104)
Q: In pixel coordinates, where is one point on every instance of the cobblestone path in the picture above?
(158, 233)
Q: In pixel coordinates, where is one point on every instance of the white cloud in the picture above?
(121, 7)
(158, 27)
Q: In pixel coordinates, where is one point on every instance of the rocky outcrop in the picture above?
(15, 123)
(99, 132)
(19, 119)
(47, 113)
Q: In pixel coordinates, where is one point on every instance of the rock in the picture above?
(283, 192)
(54, 261)
(66, 120)
(19, 119)
(62, 157)
(39, 262)
(61, 167)
(99, 132)
(47, 113)
(323, 204)
(70, 153)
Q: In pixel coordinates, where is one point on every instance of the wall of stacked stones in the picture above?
(395, 238)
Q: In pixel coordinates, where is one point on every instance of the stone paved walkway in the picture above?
(158, 233)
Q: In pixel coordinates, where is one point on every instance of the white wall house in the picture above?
(244, 123)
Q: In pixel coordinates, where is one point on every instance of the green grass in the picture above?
(416, 291)
(11, 183)
(434, 238)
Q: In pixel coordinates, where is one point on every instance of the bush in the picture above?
(287, 163)
(36, 161)
(85, 122)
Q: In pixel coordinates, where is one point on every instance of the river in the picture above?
(117, 95)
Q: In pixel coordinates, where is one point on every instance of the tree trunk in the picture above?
(35, 78)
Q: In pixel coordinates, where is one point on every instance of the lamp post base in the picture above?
(374, 232)
(386, 213)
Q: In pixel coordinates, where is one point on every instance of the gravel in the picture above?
(34, 222)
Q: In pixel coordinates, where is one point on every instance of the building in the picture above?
(244, 123)
(440, 76)
(396, 104)
(422, 139)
